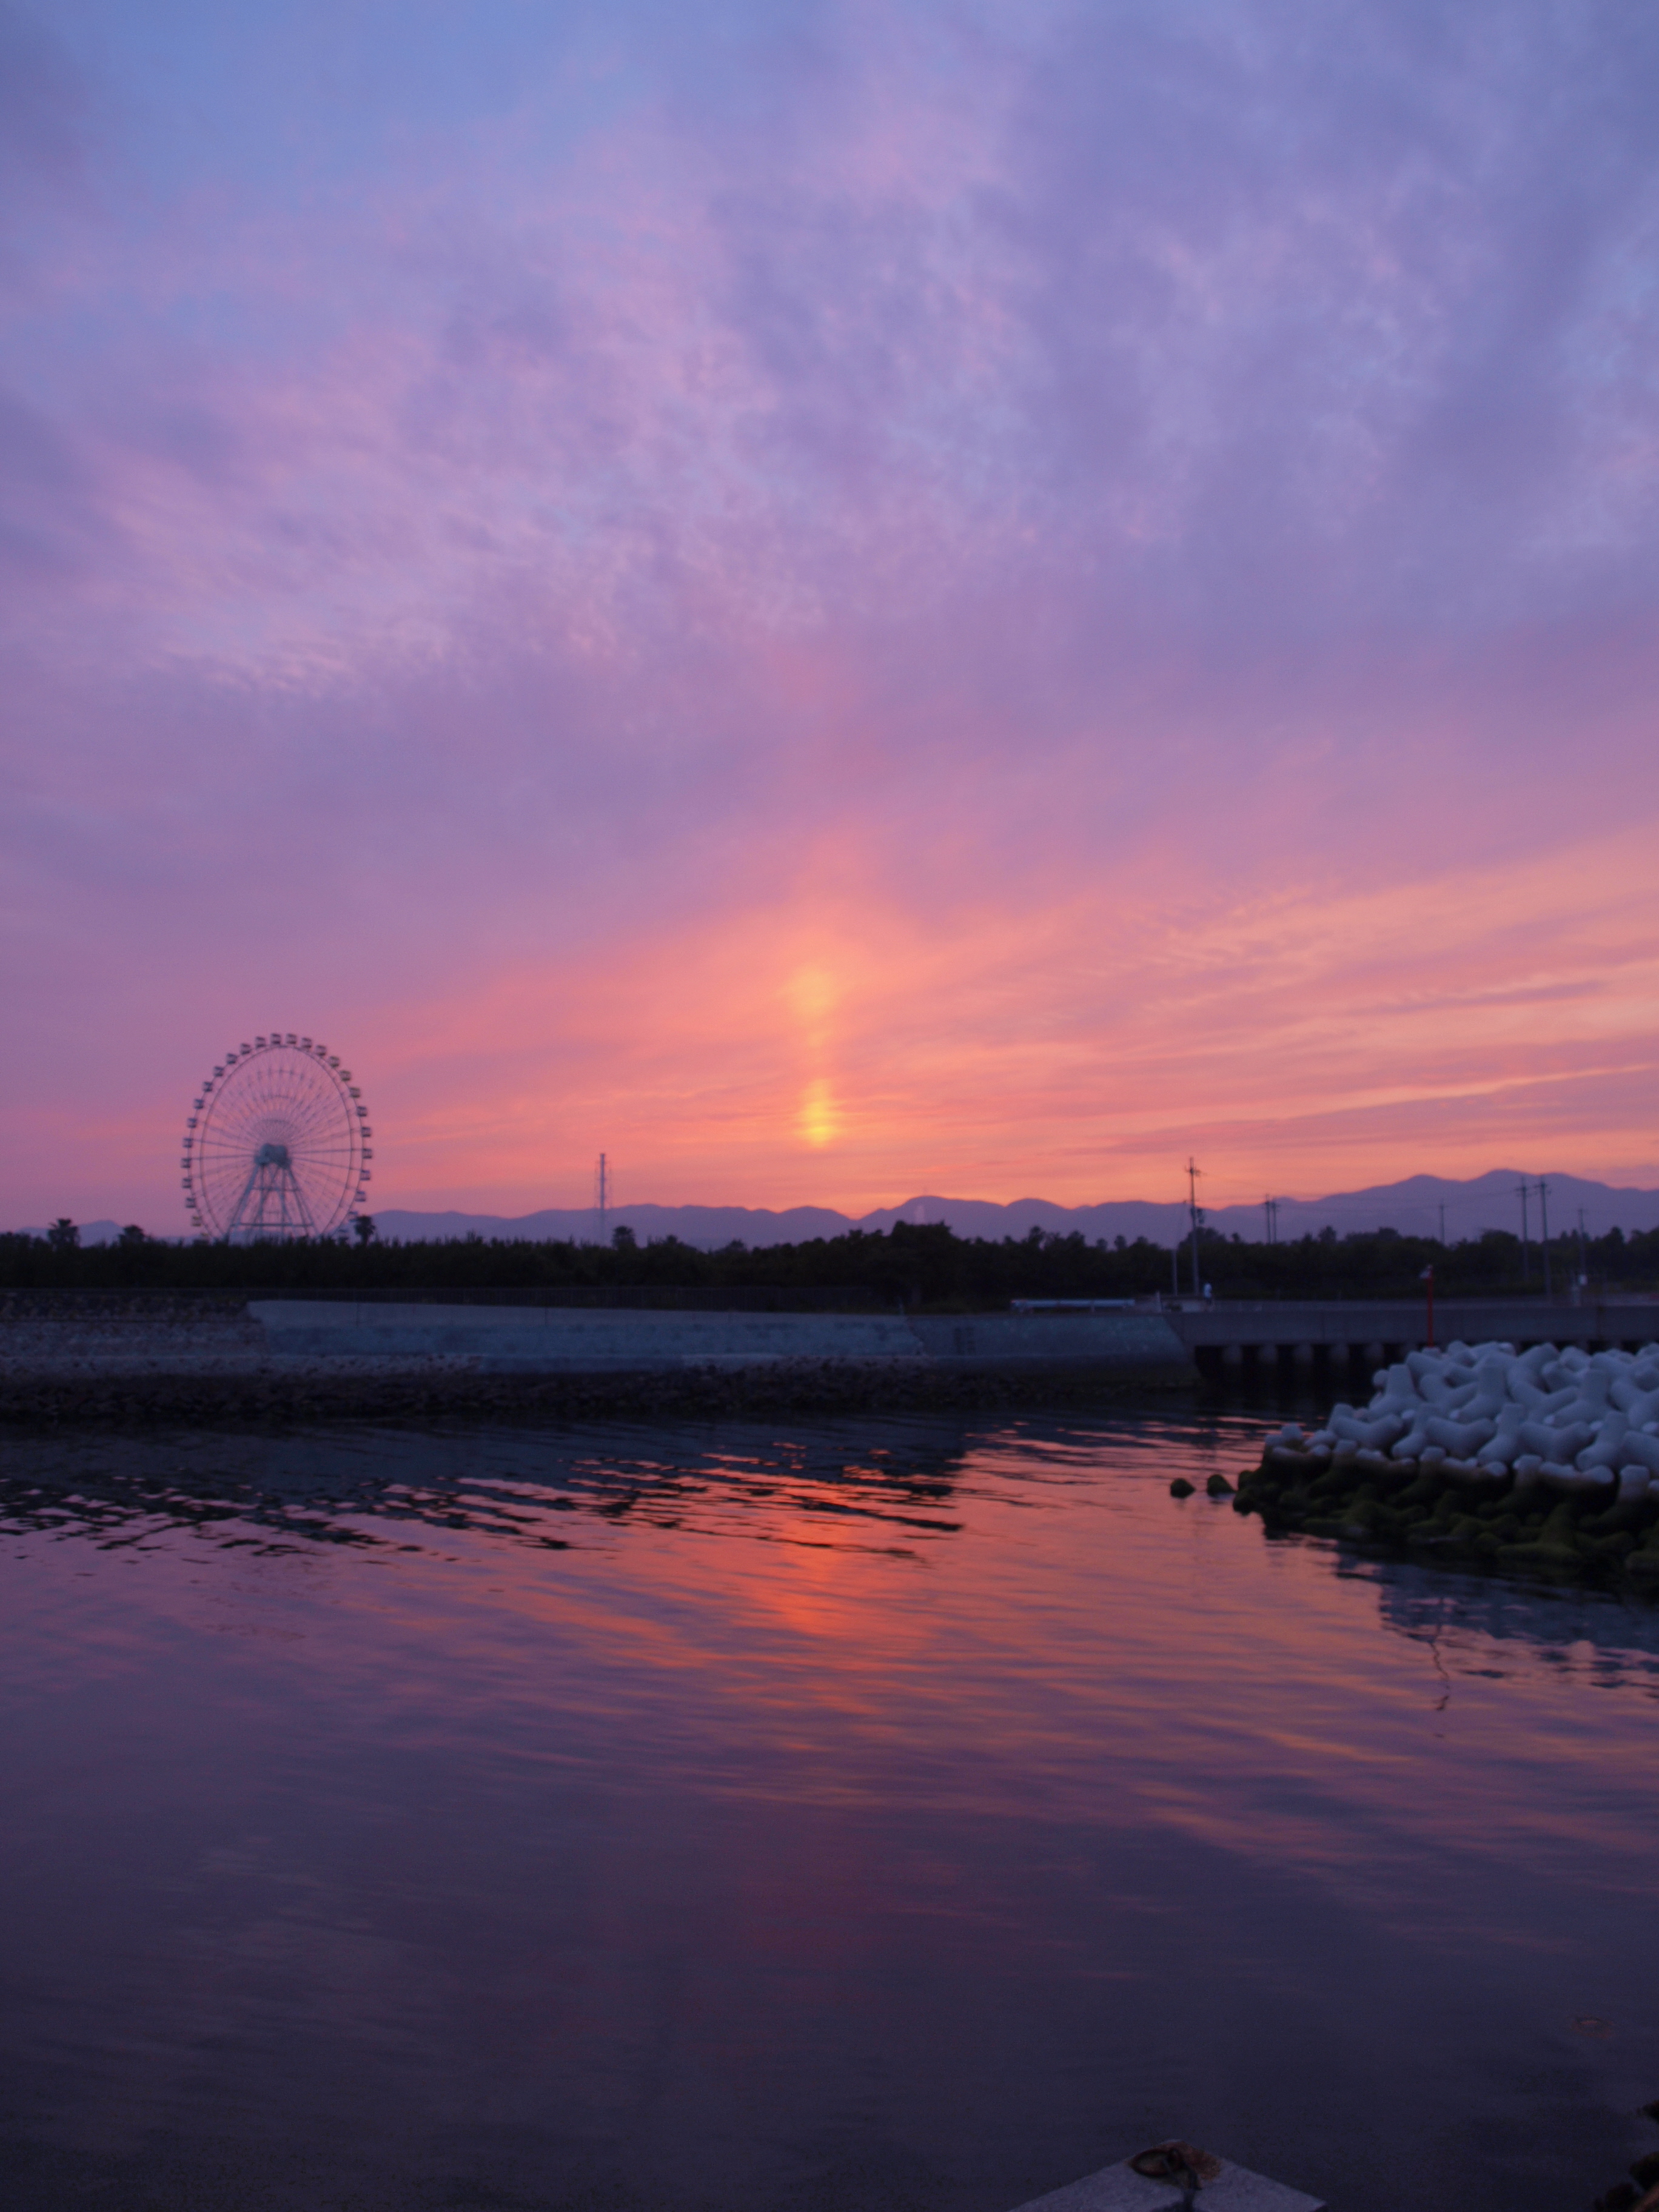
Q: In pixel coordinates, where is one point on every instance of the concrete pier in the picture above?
(1340, 1339)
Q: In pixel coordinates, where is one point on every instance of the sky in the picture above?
(832, 600)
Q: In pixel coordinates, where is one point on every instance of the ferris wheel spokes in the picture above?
(276, 1146)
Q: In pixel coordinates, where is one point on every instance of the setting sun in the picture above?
(820, 1121)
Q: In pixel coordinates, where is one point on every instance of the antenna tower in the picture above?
(1544, 1229)
(602, 1192)
(1193, 1174)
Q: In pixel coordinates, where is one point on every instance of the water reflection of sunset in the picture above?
(930, 1784)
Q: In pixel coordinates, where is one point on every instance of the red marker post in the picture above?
(1427, 1279)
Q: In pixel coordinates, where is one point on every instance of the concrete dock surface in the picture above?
(1120, 2189)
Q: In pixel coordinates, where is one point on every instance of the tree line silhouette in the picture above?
(918, 1266)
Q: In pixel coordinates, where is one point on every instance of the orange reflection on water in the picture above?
(1020, 1623)
(874, 1783)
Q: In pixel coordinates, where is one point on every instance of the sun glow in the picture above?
(819, 1120)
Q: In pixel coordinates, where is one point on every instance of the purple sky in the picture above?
(836, 600)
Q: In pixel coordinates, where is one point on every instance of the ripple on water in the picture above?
(915, 1812)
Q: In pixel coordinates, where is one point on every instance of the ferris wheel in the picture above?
(276, 1143)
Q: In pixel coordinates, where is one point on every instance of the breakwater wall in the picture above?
(1349, 1338)
(1544, 1460)
(340, 1359)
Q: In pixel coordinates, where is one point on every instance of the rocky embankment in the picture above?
(1547, 1462)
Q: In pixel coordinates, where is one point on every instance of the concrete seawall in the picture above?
(565, 1340)
(339, 1359)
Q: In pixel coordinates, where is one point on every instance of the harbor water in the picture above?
(911, 1814)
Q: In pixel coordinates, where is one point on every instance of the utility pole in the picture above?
(1443, 1224)
(1544, 1229)
(1193, 1174)
(602, 1192)
(1583, 1262)
(1521, 1189)
(1270, 1207)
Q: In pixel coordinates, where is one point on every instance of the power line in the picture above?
(1458, 1208)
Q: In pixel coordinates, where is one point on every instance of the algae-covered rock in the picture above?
(1181, 1488)
(1448, 1508)
(1555, 1549)
(1369, 1519)
(1423, 1490)
(1613, 1549)
(1219, 1486)
(1546, 1461)
(1630, 1514)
